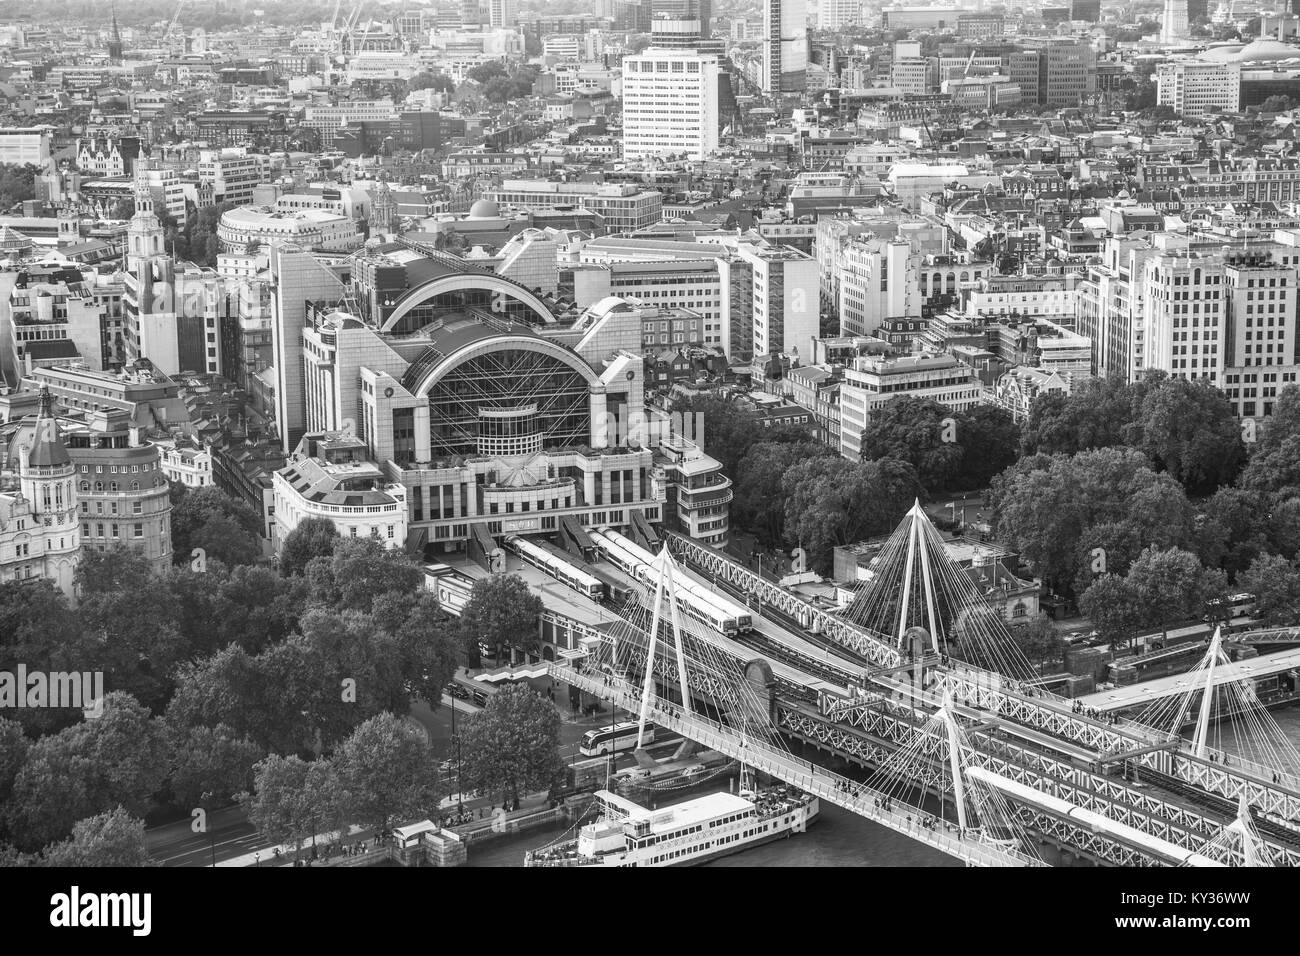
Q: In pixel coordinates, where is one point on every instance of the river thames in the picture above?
(838, 838)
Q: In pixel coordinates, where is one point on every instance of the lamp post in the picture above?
(204, 800)
(460, 792)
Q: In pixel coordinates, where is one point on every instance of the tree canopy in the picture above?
(1074, 516)
(1186, 428)
(512, 745)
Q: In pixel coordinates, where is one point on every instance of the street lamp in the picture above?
(204, 800)
(460, 791)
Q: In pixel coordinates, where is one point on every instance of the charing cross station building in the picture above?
(436, 401)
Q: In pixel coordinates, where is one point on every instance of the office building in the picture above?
(785, 46)
(1197, 88)
(670, 104)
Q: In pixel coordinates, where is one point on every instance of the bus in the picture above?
(466, 688)
(610, 739)
(1230, 608)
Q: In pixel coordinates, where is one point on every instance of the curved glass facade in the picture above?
(509, 379)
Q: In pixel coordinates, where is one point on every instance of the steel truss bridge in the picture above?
(1180, 798)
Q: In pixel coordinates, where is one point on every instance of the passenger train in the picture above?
(684, 582)
(710, 609)
(561, 568)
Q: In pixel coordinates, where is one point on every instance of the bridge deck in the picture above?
(1136, 695)
(825, 785)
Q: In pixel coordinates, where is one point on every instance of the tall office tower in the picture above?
(670, 103)
(701, 10)
(473, 13)
(503, 14)
(299, 277)
(1195, 88)
(1185, 295)
(785, 46)
(1174, 26)
(838, 14)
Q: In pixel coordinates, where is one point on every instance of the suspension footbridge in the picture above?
(918, 693)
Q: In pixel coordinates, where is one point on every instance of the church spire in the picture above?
(115, 40)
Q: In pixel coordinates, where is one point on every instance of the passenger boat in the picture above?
(718, 824)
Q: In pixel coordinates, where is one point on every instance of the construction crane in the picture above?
(172, 26)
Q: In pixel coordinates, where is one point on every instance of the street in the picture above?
(231, 836)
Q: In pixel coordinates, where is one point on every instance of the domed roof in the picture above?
(484, 209)
(1253, 52)
(48, 450)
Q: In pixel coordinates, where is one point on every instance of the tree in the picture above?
(919, 431)
(13, 754)
(1171, 585)
(120, 758)
(1096, 414)
(484, 72)
(427, 637)
(1037, 640)
(38, 628)
(1112, 607)
(1277, 104)
(387, 773)
(989, 437)
(249, 605)
(729, 429)
(292, 800)
(225, 527)
(211, 763)
(512, 745)
(312, 538)
(1232, 530)
(243, 692)
(130, 614)
(759, 506)
(502, 611)
(361, 570)
(1056, 511)
(439, 82)
(17, 184)
(831, 502)
(1273, 472)
(1275, 582)
(1189, 429)
(351, 670)
(115, 839)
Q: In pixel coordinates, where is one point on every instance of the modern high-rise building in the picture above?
(1067, 74)
(1195, 88)
(785, 300)
(503, 14)
(838, 14)
(670, 104)
(1175, 24)
(298, 278)
(785, 46)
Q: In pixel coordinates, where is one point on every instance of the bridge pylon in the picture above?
(665, 582)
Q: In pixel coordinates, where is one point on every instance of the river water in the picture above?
(838, 838)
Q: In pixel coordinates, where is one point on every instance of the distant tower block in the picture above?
(1175, 25)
